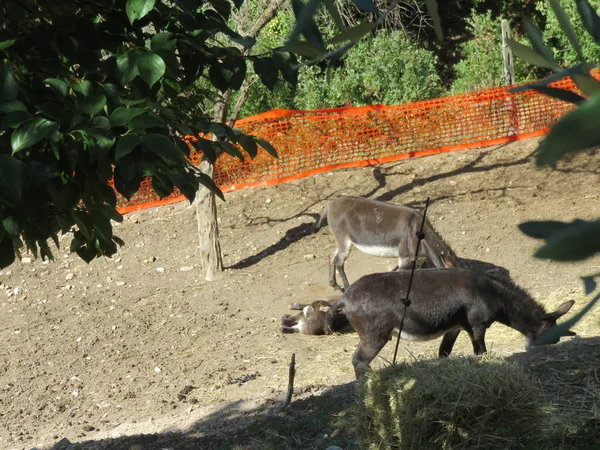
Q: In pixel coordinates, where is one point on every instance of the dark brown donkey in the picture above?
(316, 318)
(443, 303)
(380, 229)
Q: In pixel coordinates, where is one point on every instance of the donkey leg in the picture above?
(332, 265)
(298, 306)
(447, 343)
(343, 249)
(477, 335)
(289, 330)
(366, 351)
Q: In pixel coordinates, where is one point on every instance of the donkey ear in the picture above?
(561, 310)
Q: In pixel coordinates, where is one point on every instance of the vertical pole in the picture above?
(507, 55)
(509, 77)
(406, 300)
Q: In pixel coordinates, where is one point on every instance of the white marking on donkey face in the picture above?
(378, 250)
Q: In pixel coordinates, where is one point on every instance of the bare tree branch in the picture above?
(244, 90)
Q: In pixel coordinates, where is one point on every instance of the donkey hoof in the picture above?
(295, 306)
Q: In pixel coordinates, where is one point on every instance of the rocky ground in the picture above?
(140, 344)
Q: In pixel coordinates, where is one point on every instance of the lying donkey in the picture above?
(380, 229)
(317, 318)
(443, 303)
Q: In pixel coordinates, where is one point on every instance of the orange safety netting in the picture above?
(312, 142)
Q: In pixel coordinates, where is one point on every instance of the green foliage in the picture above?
(370, 74)
(575, 131)
(482, 66)
(557, 39)
(97, 90)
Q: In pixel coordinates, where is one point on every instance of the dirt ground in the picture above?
(140, 344)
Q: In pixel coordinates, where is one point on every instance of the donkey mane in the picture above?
(438, 240)
(524, 300)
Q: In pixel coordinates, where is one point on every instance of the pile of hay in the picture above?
(447, 404)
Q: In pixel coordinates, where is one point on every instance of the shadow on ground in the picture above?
(312, 423)
(566, 373)
(380, 175)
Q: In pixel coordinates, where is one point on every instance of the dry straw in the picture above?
(448, 404)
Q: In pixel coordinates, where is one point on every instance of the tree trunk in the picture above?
(208, 228)
(205, 202)
(206, 210)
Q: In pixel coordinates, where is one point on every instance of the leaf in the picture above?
(249, 145)
(268, 147)
(567, 27)
(542, 229)
(432, 7)
(126, 144)
(30, 133)
(137, 9)
(5, 44)
(334, 13)
(11, 179)
(305, 48)
(560, 94)
(586, 83)
(161, 186)
(14, 105)
(84, 87)
(575, 131)
(162, 145)
(366, 6)
(590, 19)
(126, 68)
(163, 41)
(58, 85)
(216, 76)
(93, 104)
(234, 72)
(151, 67)
(354, 33)
(9, 88)
(69, 196)
(287, 65)
(529, 55)
(122, 115)
(266, 70)
(145, 121)
(231, 149)
(578, 241)
(537, 40)
(7, 251)
(589, 283)
(305, 23)
(11, 225)
(14, 119)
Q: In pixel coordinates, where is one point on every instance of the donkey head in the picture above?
(546, 333)
(315, 318)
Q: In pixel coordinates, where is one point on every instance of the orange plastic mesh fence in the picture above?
(311, 142)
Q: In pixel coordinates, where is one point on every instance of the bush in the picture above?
(482, 66)
(385, 69)
(556, 38)
(448, 403)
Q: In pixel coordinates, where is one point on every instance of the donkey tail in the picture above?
(319, 222)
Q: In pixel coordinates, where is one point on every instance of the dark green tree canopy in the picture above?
(100, 90)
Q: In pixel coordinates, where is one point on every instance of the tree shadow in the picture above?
(380, 175)
(471, 167)
(314, 422)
